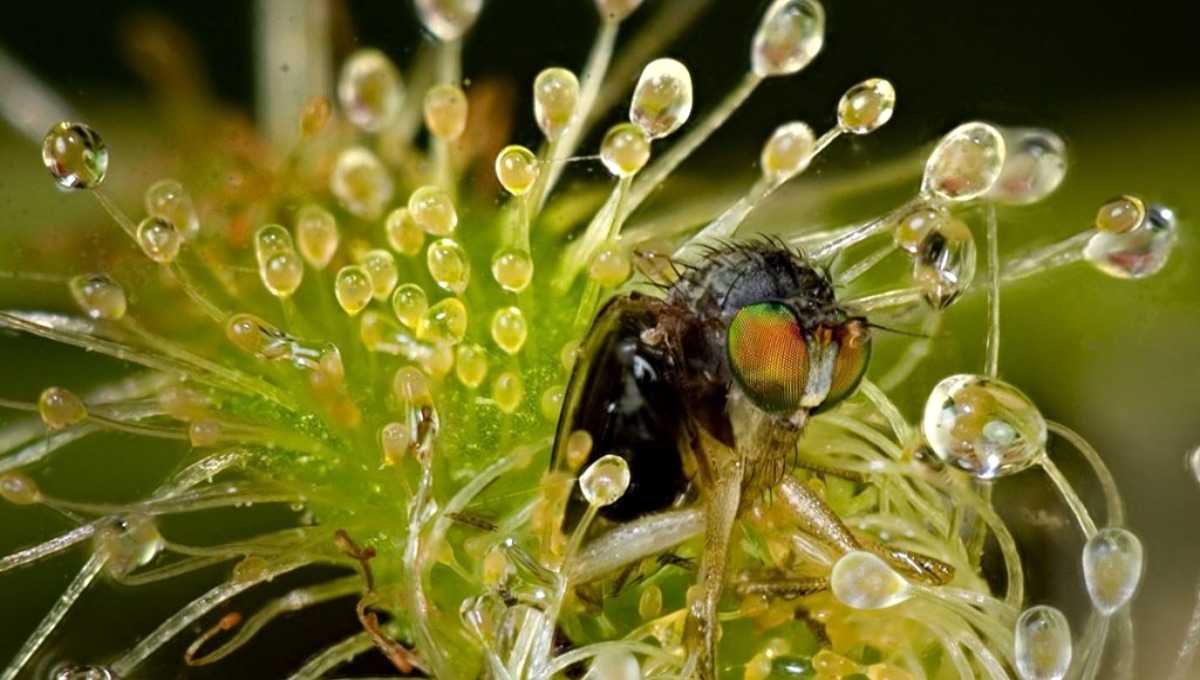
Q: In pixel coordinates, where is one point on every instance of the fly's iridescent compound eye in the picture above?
(854, 353)
(768, 356)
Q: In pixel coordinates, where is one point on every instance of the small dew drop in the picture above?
(508, 391)
(353, 288)
(611, 266)
(509, 329)
(159, 240)
(432, 209)
(1112, 568)
(251, 334)
(605, 480)
(555, 96)
(471, 364)
(789, 37)
(512, 268)
(99, 296)
(205, 432)
(169, 200)
(662, 101)
(370, 90)
(866, 107)
(551, 402)
(444, 323)
(1035, 165)
(60, 407)
(317, 235)
(1138, 252)
(394, 441)
(1121, 214)
(862, 580)
(282, 273)
(625, 150)
(1043, 644)
(75, 155)
(271, 240)
(517, 169)
(410, 302)
(788, 152)
(912, 229)
(381, 267)
(19, 489)
(448, 19)
(579, 449)
(446, 111)
(983, 426)
(449, 265)
(361, 183)
(128, 542)
(650, 603)
(403, 233)
(966, 163)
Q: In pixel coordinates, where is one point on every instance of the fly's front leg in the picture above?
(721, 510)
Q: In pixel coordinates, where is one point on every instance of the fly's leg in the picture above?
(721, 510)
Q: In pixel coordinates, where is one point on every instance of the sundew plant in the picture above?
(363, 336)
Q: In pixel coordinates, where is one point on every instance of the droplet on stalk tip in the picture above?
(444, 323)
(404, 235)
(159, 240)
(60, 407)
(517, 169)
(624, 150)
(361, 183)
(983, 426)
(605, 481)
(470, 364)
(615, 665)
(512, 268)
(75, 155)
(317, 235)
(432, 208)
(99, 296)
(169, 200)
(866, 107)
(1034, 166)
(128, 542)
(409, 302)
(966, 163)
(1137, 252)
(508, 391)
(662, 101)
(555, 96)
(788, 152)
(19, 489)
(448, 19)
(381, 267)
(445, 111)
(449, 265)
(509, 329)
(1043, 644)
(788, 38)
(282, 273)
(862, 580)
(353, 288)
(944, 262)
(1112, 568)
(370, 89)
(610, 266)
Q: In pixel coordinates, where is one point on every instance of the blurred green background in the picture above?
(1118, 361)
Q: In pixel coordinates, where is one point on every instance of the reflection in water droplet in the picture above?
(76, 155)
(789, 36)
(1137, 253)
(966, 163)
(984, 426)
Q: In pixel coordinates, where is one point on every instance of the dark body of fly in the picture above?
(653, 375)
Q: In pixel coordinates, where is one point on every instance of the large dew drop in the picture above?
(1138, 252)
(790, 35)
(1112, 568)
(1043, 644)
(984, 426)
(662, 101)
(448, 19)
(1035, 164)
(862, 580)
(370, 90)
(605, 481)
(966, 163)
(76, 155)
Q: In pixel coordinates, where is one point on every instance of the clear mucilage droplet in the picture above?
(788, 152)
(983, 426)
(1138, 252)
(128, 542)
(361, 183)
(509, 329)
(1034, 166)
(944, 262)
(60, 407)
(866, 107)
(555, 96)
(1043, 644)
(370, 90)
(614, 665)
(409, 302)
(449, 265)
(404, 235)
(75, 155)
(788, 38)
(966, 163)
(1112, 568)
(862, 580)
(83, 673)
(159, 240)
(512, 268)
(605, 481)
(353, 288)
(625, 150)
(662, 101)
(517, 169)
(444, 323)
(446, 111)
(169, 200)
(433, 209)
(99, 296)
(448, 19)
(317, 235)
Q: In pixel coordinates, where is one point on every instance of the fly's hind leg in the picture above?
(721, 510)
